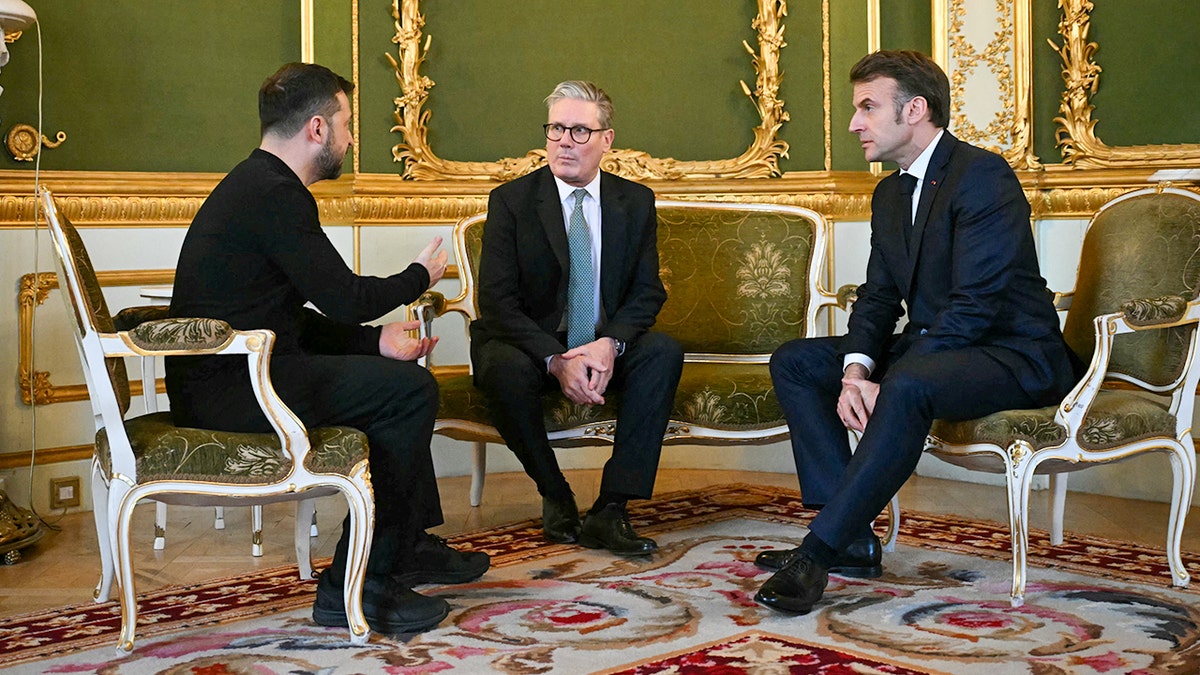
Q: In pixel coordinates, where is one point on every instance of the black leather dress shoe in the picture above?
(560, 520)
(609, 528)
(862, 559)
(433, 561)
(796, 587)
(390, 607)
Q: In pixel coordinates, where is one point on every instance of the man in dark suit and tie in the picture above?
(568, 288)
(951, 244)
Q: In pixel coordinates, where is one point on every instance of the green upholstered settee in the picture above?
(741, 279)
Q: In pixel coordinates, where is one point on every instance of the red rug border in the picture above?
(27, 637)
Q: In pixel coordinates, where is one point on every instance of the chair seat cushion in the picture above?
(164, 451)
(1116, 417)
(724, 396)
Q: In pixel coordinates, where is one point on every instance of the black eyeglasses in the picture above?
(580, 134)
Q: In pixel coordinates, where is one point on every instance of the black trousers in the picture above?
(646, 375)
(852, 489)
(393, 402)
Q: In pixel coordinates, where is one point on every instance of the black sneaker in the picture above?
(389, 606)
(433, 561)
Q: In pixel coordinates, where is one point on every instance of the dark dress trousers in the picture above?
(982, 336)
(523, 273)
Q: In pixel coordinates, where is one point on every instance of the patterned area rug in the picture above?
(1092, 606)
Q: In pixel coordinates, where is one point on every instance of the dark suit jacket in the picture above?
(971, 278)
(524, 265)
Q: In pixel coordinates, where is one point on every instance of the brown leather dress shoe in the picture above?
(796, 587)
(560, 520)
(862, 559)
(610, 528)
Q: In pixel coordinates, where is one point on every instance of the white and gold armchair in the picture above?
(149, 457)
(1133, 315)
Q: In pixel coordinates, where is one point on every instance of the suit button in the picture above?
(924, 331)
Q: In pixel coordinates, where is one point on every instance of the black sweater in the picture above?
(255, 254)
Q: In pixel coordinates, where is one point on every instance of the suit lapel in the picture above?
(550, 212)
(614, 226)
(935, 175)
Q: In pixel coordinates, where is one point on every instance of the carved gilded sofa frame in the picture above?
(741, 279)
(148, 457)
(1133, 314)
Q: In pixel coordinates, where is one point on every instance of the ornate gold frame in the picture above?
(760, 160)
(1076, 134)
(33, 291)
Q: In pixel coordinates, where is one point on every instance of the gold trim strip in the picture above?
(761, 159)
(66, 453)
(307, 34)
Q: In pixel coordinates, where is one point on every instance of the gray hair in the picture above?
(580, 90)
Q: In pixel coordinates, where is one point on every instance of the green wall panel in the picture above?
(148, 85)
(1150, 59)
(1047, 81)
(802, 88)
(848, 25)
(906, 24)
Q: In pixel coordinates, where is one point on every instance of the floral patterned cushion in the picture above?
(731, 397)
(1116, 418)
(181, 334)
(166, 452)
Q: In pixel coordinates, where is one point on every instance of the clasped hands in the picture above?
(584, 372)
(857, 400)
(396, 340)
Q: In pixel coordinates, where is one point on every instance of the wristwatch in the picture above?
(618, 346)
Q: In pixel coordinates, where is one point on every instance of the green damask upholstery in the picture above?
(727, 396)
(1116, 418)
(93, 299)
(737, 280)
(182, 334)
(166, 452)
(1123, 244)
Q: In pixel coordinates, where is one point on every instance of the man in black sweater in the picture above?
(254, 255)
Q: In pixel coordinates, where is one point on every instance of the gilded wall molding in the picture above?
(994, 65)
(761, 159)
(33, 290)
(1076, 134)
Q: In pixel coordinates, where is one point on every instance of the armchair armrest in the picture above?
(1134, 315)
(846, 295)
(177, 336)
(1158, 312)
(1062, 301)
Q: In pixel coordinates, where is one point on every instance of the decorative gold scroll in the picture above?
(1076, 134)
(760, 160)
(1008, 58)
(33, 291)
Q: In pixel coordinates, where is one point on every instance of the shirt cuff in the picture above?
(861, 359)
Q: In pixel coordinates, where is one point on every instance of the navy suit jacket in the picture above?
(525, 262)
(971, 278)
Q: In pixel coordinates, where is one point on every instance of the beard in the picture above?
(329, 165)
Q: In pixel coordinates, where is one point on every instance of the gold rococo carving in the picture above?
(761, 159)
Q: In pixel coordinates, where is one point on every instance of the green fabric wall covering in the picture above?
(148, 85)
(167, 85)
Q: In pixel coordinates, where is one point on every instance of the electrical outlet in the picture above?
(64, 492)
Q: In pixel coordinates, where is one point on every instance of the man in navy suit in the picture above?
(951, 244)
(568, 288)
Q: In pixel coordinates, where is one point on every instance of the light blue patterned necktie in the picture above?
(581, 294)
